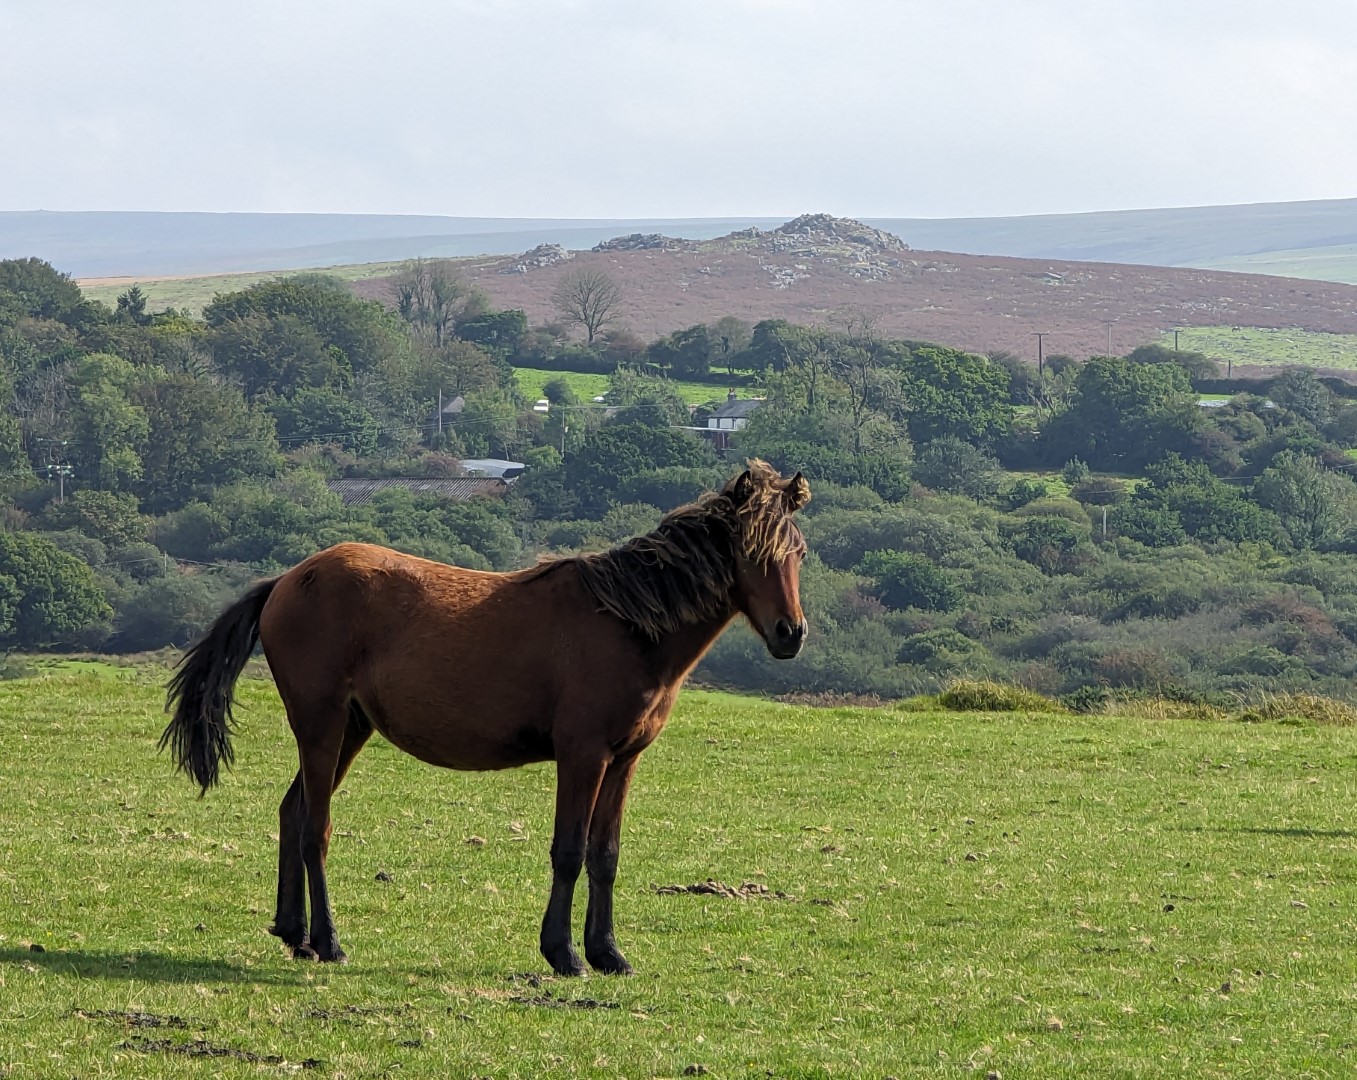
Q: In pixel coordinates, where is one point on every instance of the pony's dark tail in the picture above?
(199, 734)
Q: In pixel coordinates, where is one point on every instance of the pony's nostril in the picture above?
(790, 631)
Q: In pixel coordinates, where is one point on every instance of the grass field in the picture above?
(1336, 262)
(587, 386)
(192, 294)
(1261, 346)
(965, 895)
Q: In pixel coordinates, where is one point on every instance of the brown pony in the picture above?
(577, 660)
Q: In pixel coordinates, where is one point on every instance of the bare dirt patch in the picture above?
(750, 890)
(132, 1019)
(199, 1048)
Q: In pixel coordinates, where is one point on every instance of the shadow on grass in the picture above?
(1295, 833)
(142, 966)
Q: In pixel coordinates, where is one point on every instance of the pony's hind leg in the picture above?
(322, 768)
(289, 920)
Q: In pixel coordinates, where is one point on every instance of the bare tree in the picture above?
(431, 297)
(589, 298)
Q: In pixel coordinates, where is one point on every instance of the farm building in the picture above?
(730, 417)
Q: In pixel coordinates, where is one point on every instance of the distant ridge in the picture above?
(148, 245)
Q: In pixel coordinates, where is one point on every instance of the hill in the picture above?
(147, 245)
(807, 269)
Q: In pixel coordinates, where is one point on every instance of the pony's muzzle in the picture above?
(787, 638)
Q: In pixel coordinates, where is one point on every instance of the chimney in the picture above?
(730, 394)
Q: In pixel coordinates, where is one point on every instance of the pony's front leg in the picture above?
(577, 782)
(605, 829)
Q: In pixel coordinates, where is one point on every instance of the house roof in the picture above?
(736, 408)
(356, 492)
(493, 467)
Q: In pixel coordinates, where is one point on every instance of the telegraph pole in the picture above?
(60, 472)
(1108, 322)
(58, 469)
(1041, 360)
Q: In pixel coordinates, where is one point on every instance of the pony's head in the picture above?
(768, 552)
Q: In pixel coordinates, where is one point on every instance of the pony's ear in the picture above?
(741, 488)
(798, 493)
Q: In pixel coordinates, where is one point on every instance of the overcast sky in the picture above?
(624, 108)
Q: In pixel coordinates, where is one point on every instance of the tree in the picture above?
(1050, 543)
(431, 296)
(776, 344)
(31, 288)
(201, 435)
(1152, 524)
(109, 430)
(1297, 389)
(132, 307)
(613, 455)
(318, 414)
(47, 597)
(731, 338)
(904, 580)
(686, 353)
(1196, 364)
(1295, 488)
(948, 464)
(643, 400)
(277, 354)
(952, 393)
(503, 331)
(310, 330)
(107, 516)
(589, 298)
(1123, 414)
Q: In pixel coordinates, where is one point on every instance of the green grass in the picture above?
(587, 386)
(192, 294)
(1336, 262)
(1266, 347)
(1036, 895)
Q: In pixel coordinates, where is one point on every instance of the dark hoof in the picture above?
(333, 955)
(304, 952)
(564, 961)
(610, 963)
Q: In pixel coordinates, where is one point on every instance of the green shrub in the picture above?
(967, 695)
(1305, 708)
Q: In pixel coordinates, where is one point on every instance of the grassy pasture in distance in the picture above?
(1336, 262)
(1037, 895)
(192, 294)
(1268, 347)
(587, 386)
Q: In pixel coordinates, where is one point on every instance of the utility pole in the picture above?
(1108, 323)
(440, 413)
(58, 469)
(60, 472)
(1175, 341)
(1041, 360)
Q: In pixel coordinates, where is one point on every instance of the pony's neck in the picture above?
(676, 653)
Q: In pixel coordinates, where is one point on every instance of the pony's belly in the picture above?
(474, 752)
